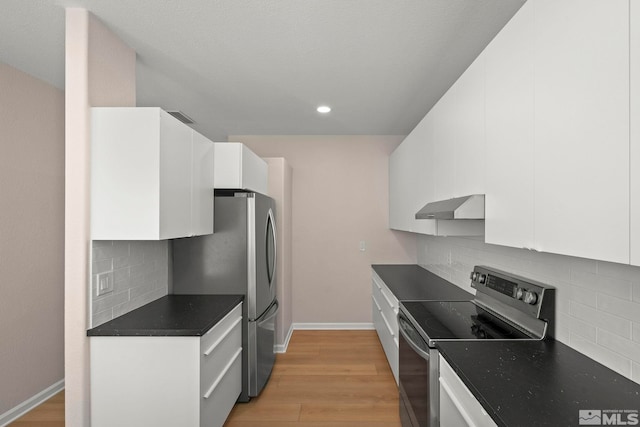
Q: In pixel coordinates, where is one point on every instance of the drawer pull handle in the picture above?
(387, 298)
(376, 303)
(219, 340)
(388, 326)
(222, 374)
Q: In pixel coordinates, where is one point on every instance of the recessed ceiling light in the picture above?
(324, 109)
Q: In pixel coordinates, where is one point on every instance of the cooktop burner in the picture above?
(459, 320)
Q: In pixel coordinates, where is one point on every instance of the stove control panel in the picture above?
(522, 294)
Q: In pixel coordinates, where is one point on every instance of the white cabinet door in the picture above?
(148, 170)
(443, 116)
(411, 179)
(635, 129)
(237, 167)
(422, 161)
(175, 178)
(509, 65)
(201, 185)
(140, 175)
(469, 128)
(582, 128)
(400, 188)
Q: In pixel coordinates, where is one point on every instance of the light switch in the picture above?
(104, 283)
(363, 245)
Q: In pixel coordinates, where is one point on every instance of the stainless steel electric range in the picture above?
(506, 307)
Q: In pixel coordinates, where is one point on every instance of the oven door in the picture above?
(418, 378)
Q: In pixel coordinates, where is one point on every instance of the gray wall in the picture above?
(31, 237)
(140, 271)
(598, 303)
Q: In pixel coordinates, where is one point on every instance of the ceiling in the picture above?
(261, 67)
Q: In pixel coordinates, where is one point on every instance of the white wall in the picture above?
(598, 303)
(280, 188)
(31, 237)
(340, 197)
(99, 71)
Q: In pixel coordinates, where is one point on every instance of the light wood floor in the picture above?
(325, 379)
(48, 414)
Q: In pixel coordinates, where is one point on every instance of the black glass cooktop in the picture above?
(459, 320)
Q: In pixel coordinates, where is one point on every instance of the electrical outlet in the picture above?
(104, 284)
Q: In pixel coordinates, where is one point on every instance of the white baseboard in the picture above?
(29, 404)
(332, 326)
(282, 348)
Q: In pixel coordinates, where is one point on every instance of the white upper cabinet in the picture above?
(557, 123)
(141, 176)
(444, 138)
(411, 180)
(546, 124)
(581, 128)
(201, 185)
(469, 131)
(509, 207)
(635, 129)
(237, 167)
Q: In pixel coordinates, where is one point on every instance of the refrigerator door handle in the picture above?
(271, 269)
(275, 307)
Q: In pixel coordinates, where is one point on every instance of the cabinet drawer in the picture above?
(387, 305)
(214, 334)
(219, 346)
(221, 392)
(389, 342)
(461, 403)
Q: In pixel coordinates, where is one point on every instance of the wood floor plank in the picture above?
(339, 379)
(312, 424)
(48, 414)
(346, 412)
(259, 411)
(333, 388)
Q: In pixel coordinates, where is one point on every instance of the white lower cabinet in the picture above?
(186, 381)
(385, 308)
(458, 407)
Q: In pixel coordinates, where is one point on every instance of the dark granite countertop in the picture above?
(171, 315)
(538, 383)
(412, 282)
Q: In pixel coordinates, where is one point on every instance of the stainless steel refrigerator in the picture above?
(238, 258)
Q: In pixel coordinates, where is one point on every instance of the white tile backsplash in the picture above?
(597, 302)
(140, 275)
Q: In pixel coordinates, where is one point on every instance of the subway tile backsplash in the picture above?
(140, 275)
(598, 303)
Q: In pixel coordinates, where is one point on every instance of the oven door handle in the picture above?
(413, 345)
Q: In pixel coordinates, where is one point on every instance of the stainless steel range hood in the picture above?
(467, 207)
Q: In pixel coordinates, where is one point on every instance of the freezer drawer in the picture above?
(261, 354)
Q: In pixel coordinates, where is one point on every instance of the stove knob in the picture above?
(482, 278)
(473, 276)
(520, 293)
(530, 297)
